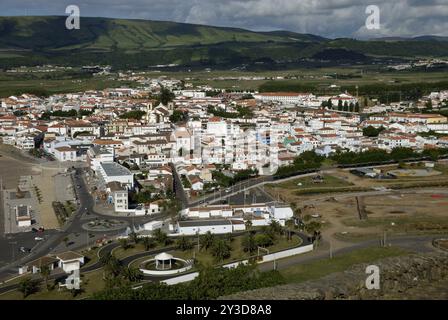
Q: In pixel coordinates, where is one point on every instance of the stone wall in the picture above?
(398, 277)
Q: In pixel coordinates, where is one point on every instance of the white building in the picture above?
(284, 97)
(70, 261)
(112, 171)
(193, 227)
(65, 154)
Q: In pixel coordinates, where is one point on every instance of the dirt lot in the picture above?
(396, 212)
(14, 164)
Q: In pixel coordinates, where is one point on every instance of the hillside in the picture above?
(142, 43)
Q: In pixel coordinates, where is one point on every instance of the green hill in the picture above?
(142, 43)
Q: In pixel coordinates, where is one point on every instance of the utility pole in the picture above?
(198, 240)
(331, 251)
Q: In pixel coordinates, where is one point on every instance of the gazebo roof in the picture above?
(163, 256)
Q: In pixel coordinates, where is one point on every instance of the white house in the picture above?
(65, 154)
(118, 195)
(193, 227)
(70, 261)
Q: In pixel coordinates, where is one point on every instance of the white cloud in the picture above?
(331, 18)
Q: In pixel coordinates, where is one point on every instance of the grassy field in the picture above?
(321, 268)
(54, 86)
(206, 258)
(415, 224)
(91, 282)
(307, 182)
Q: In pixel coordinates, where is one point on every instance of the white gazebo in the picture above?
(162, 260)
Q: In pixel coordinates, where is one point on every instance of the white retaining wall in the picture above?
(266, 258)
(180, 279)
(286, 253)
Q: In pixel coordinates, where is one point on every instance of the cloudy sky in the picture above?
(330, 18)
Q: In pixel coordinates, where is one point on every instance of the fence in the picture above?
(266, 258)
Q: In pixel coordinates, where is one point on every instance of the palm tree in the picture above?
(45, 273)
(276, 228)
(124, 243)
(183, 243)
(160, 236)
(148, 243)
(221, 249)
(207, 240)
(132, 274)
(248, 243)
(28, 286)
(134, 237)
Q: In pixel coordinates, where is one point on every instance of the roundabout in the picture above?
(104, 225)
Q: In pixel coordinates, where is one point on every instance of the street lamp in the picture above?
(13, 243)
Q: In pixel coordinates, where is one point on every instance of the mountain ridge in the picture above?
(31, 40)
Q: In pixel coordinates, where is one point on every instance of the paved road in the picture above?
(78, 237)
(418, 244)
(260, 181)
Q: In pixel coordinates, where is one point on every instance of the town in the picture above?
(168, 161)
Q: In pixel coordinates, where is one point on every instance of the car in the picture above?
(38, 239)
(228, 190)
(34, 230)
(25, 250)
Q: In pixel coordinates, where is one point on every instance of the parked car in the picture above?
(38, 239)
(25, 250)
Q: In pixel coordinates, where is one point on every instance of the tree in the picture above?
(148, 243)
(178, 116)
(135, 114)
(124, 243)
(206, 241)
(112, 265)
(132, 274)
(183, 243)
(166, 96)
(45, 273)
(161, 237)
(248, 224)
(28, 286)
(276, 228)
(313, 227)
(221, 249)
(249, 244)
(134, 237)
(263, 240)
(371, 131)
